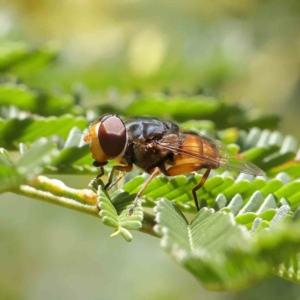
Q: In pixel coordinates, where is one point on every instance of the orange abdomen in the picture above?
(197, 152)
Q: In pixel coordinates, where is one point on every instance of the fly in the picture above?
(158, 147)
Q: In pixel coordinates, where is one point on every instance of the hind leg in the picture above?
(188, 168)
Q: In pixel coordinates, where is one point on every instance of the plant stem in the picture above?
(45, 196)
(78, 200)
(58, 188)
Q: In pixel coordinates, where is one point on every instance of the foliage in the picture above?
(247, 229)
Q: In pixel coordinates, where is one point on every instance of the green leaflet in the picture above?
(36, 101)
(271, 151)
(240, 195)
(246, 210)
(219, 253)
(114, 213)
(9, 176)
(40, 153)
(21, 59)
(182, 109)
(74, 149)
(29, 165)
(31, 128)
(71, 157)
(37, 159)
(290, 268)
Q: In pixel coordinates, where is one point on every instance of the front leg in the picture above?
(126, 168)
(100, 165)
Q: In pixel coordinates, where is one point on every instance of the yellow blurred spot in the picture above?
(146, 52)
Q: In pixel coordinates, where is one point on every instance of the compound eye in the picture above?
(112, 136)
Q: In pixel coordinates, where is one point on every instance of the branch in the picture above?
(56, 192)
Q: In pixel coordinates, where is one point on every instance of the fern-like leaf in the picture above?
(30, 128)
(218, 251)
(114, 213)
(182, 109)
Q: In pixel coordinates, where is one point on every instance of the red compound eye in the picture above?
(112, 136)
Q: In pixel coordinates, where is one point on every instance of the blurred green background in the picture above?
(241, 51)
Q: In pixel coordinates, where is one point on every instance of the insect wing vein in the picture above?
(224, 160)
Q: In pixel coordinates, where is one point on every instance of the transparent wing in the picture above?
(224, 158)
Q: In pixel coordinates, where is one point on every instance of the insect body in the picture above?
(158, 147)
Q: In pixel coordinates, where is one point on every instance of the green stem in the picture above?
(45, 196)
(58, 188)
(77, 200)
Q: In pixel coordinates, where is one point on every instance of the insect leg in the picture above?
(155, 172)
(101, 172)
(126, 168)
(100, 165)
(120, 176)
(198, 186)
